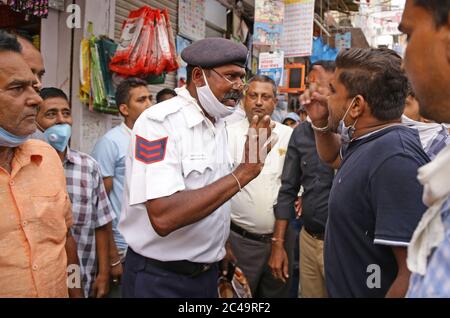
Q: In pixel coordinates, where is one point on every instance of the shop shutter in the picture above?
(123, 8)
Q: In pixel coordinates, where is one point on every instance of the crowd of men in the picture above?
(185, 190)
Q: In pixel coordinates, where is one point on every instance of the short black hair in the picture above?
(9, 42)
(329, 66)
(411, 91)
(189, 69)
(124, 88)
(264, 79)
(377, 75)
(165, 91)
(52, 92)
(440, 9)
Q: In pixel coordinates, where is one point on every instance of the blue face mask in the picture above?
(58, 136)
(346, 132)
(11, 141)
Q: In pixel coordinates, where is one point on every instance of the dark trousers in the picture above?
(253, 259)
(142, 280)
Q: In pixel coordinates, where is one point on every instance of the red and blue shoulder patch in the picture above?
(150, 151)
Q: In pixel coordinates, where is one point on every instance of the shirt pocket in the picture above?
(48, 218)
(196, 173)
(49, 205)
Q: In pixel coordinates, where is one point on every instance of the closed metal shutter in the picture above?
(123, 8)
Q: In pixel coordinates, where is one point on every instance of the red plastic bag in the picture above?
(173, 65)
(147, 45)
(131, 31)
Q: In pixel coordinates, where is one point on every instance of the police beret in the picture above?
(212, 52)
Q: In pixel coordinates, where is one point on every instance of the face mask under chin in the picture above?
(210, 103)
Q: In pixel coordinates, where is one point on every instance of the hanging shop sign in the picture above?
(182, 43)
(191, 19)
(271, 64)
(56, 4)
(343, 40)
(298, 27)
(268, 27)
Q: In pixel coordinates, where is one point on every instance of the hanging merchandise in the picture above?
(146, 46)
(96, 85)
(37, 8)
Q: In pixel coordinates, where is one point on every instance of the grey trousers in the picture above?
(253, 259)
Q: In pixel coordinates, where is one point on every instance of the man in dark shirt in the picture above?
(375, 201)
(304, 168)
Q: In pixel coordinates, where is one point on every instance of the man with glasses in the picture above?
(252, 215)
(176, 217)
(35, 209)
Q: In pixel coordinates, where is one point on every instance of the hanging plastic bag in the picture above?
(173, 65)
(129, 37)
(85, 69)
(163, 45)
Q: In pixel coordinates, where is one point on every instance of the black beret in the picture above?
(212, 52)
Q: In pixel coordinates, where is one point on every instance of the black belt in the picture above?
(317, 236)
(267, 238)
(183, 267)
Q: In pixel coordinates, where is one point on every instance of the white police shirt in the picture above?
(175, 147)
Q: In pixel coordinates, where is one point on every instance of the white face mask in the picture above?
(210, 102)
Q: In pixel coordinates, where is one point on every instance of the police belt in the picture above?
(183, 267)
(266, 238)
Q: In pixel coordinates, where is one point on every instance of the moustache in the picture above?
(235, 95)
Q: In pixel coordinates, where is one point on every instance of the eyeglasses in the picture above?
(239, 84)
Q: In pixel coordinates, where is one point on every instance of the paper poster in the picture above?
(182, 43)
(298, 28)
(272, 65)
(268, 27)
(191, 19)
(343, 41)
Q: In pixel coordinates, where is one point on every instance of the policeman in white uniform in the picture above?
(175, 216)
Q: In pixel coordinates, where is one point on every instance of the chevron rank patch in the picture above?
(150, 152)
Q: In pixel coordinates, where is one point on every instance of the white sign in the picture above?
(191, 19)
(298, 27)
(272, 64)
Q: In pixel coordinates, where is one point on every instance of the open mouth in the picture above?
(232, 98)
(230, 102)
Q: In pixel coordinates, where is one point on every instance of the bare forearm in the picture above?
(187, 207)
(113, 252)
(72, 259)
(279, 231)
(102, 249)
(328, 145)
(400, 285)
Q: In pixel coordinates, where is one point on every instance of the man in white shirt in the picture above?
(252, 216)
(175, 215)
